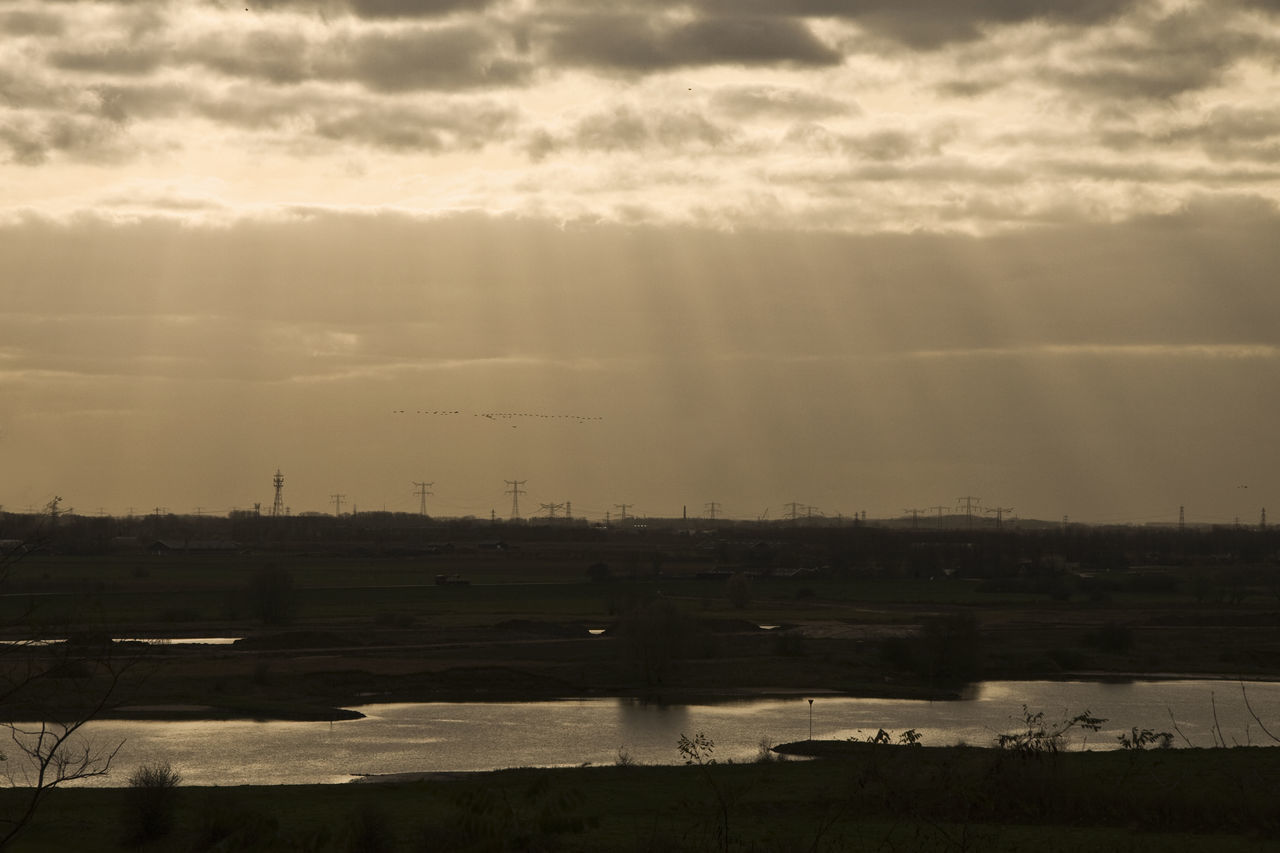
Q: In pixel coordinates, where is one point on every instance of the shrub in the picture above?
(150, 802)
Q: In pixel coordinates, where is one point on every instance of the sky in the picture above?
(861, 256)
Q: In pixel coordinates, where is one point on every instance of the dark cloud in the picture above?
(380, 8)
(410, 128)
(632, 42)
(31, 24)
(884, 145)
(1170, 56)
(404, 59)
(749, 101)
(278, 57)
(626, 128)
(1232, 133)
(129, 59)
(415, 8)
(123, 103)
(924, 24)
(31, 141)
(454, 57)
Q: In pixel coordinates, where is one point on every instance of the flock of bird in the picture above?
(496, 416)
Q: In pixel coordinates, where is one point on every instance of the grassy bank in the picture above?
(865, 797)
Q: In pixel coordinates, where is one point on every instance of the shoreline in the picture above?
(272, 711)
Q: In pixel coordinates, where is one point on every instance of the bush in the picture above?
(150, 802)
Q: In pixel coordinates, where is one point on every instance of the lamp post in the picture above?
(810, 719)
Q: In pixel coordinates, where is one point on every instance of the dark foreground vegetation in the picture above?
(868, 797)
(334, 613)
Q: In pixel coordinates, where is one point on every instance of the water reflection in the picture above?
(408, 738)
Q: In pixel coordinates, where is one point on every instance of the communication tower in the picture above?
(277, 508)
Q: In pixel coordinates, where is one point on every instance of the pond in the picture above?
(461, 736)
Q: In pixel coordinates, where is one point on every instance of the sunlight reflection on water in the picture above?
(407, 738)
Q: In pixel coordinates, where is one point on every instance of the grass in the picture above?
(874, 798)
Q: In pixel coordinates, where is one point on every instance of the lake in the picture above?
(462, 736)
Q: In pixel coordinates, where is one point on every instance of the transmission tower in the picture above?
(623, 508)
(277, 508)
(712, 508)
(969, 503)
(422, 490)
(551, 509)
(915, 516)
(337, 504)
(1000, 511)
(793, 510)
(1262, 522)
(1182, 518)
(515, 491)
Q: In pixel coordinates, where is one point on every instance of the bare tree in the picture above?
(49, 691)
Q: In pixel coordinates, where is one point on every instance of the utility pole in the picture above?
(515, 491)
(422, 490)
(337, 504)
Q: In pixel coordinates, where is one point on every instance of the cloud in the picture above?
(126, 59)
(381, 9)
(626, 128)
(278, 57)
(417, 128)
(746, 102)
(638, 43)
(920, 24)
(28, 23)
(32, 140)
(1161, 57)
(451, 57)
(401, 59)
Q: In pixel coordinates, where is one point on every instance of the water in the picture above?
(439, 736)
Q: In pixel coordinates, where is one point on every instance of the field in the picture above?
(680, 618)
(670, 615)
(868, 797)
